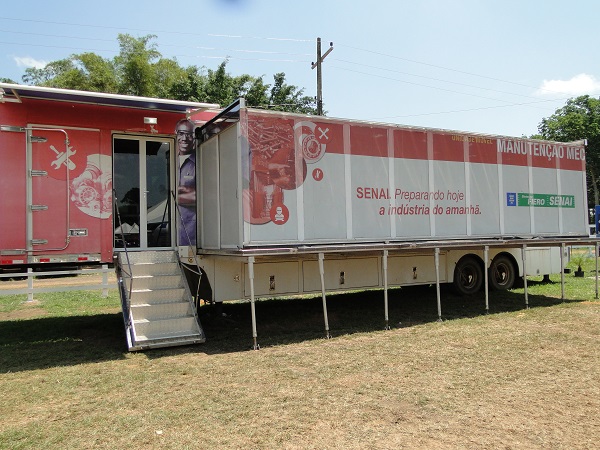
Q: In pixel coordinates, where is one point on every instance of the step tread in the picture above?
(162, 319)
(156, 289)
(179, 337)
(173, 263)
(159, 303)
(156, 275)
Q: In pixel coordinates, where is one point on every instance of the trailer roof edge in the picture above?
(15, 92)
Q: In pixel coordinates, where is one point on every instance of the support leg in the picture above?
(437, 283)
(255, 345)
(486, 258)
(525, 275)
(322, 273)
(385, 289)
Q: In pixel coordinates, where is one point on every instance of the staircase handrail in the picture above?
(130, 273)
(190, 247)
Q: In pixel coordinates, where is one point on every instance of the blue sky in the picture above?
(495, 67)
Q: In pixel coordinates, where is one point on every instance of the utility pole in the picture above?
(319, 76)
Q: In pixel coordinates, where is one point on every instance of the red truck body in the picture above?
(59, 153)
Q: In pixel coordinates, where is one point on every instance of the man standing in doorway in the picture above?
(186, 191)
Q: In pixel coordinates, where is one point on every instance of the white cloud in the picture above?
(26, 61)
(578, 85)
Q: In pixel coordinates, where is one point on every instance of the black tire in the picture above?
(468, 276)
(502, 273)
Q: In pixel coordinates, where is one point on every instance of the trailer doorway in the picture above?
(142, 179)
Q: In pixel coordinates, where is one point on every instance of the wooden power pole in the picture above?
(317, 65)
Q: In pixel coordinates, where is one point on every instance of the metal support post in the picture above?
(486, 258)
(322, 273)
(252, 306)
(104, 280)
(29, 284)
(437, 283)
(525, 275)
(597, 248)
(385, 289)
(562, 271)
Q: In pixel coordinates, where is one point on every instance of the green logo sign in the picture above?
(545, 200)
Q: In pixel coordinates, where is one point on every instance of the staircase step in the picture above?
(154, 282)
(165, 329)
(161, 311)
(145, 269)
(157, 296)
(144, 344)
(152, 257)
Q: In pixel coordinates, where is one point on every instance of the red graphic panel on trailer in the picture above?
(369, 181)
(280, 150)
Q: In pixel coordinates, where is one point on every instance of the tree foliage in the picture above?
(140, 69)
(579, 119)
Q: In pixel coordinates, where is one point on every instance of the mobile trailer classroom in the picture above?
(287, 204)
(297, 204)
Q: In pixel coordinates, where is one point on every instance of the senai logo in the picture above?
(540, 200)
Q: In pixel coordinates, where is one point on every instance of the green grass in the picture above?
(516, 378)
(69, 303)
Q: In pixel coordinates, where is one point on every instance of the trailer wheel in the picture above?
(502, 273)
(468, 276)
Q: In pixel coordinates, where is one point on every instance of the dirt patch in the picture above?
(31, 310)
(80, 280)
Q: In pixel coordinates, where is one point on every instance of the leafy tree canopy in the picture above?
(579, 119)
(140, 69)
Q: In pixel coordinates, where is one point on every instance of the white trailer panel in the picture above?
(270, 179)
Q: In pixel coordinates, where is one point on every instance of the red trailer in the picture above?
(63, 152)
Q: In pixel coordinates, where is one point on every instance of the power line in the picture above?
(283, 39)
(221, 57)
(440, 67)
(432, 78)
(419, 84)
(146, 30)
(467, 110)
(162, 44)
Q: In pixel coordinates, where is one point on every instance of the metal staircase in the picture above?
(158, 308)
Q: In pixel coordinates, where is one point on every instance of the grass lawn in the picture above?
(517, 378)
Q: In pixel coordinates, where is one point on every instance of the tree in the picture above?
(140, 69)
(49, 75)
(134, 64)
(579, 119)
(189, 87)
(219, 86)
(285, 97)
